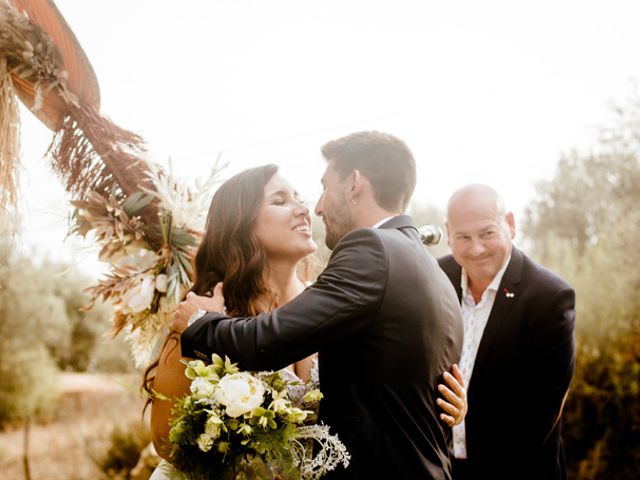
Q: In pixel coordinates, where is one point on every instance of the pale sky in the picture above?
(488, 92)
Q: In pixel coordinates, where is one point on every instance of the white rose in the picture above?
(202, 388)
(239, 393)
(161, 283)
(139, 297)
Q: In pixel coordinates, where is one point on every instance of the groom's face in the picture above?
(333, 207)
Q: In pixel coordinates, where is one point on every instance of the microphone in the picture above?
(430, 235)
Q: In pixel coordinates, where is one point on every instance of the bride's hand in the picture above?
(454, 403)
(192, 304)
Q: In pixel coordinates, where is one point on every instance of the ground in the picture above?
(64, 448)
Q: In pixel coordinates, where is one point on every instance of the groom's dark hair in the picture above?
(385, 160)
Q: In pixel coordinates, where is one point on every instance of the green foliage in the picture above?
(42, 329)
(84, 329)
(111, 355)
(46, 301)
(585, 224)
(602, 416)
(28, 379)
(27, 372)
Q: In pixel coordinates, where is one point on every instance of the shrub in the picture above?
(602, 415)
(125, 443)
(111, 355)
(28, 379)
(584, 224)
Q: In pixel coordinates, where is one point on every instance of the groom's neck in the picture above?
(370, 217)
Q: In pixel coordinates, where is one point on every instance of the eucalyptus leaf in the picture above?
(182, 237)
(136, 202)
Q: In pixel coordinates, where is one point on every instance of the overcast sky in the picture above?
(487, 91)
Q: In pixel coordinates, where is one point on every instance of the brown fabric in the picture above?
(80, 77)
(35, 64)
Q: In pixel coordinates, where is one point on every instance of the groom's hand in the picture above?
(192, 304)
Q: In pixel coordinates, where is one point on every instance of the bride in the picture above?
(257, 242)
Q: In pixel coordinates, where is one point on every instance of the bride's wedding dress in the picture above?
(166, 471)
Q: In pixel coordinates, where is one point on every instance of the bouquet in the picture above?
(237, 424)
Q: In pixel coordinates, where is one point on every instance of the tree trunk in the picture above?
(25, 453)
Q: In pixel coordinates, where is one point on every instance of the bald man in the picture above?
(519, 323)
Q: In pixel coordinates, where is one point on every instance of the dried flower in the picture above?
(139, 297)
(161, 283)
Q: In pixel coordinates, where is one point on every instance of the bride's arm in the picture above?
(303, 367)
(171, 382)
(454, 402)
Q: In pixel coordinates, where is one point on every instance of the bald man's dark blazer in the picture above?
(521, 374)
(386, 323)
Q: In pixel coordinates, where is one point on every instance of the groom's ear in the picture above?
(356, 184)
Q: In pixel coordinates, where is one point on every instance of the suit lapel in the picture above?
(506, 296)
(454, 272)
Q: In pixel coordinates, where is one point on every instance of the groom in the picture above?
(382, 316)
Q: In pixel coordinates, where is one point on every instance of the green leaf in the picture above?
(182, 237)
(136, 202)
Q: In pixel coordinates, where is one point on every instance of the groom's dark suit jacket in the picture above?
(386, 323)
(521, 374)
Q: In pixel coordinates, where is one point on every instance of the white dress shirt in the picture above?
(384, 220)
(474, 318)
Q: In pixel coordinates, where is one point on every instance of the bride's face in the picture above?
(283, 223)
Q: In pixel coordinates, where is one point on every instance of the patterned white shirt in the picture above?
(474, 318)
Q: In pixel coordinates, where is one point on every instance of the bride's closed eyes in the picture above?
(282, 198)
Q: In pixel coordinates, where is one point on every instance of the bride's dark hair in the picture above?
(229, 251)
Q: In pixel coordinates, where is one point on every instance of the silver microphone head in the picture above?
(430, 234)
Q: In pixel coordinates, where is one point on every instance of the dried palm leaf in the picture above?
(53, 77)
(9, 141)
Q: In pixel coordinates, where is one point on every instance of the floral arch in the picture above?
(146, 223)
